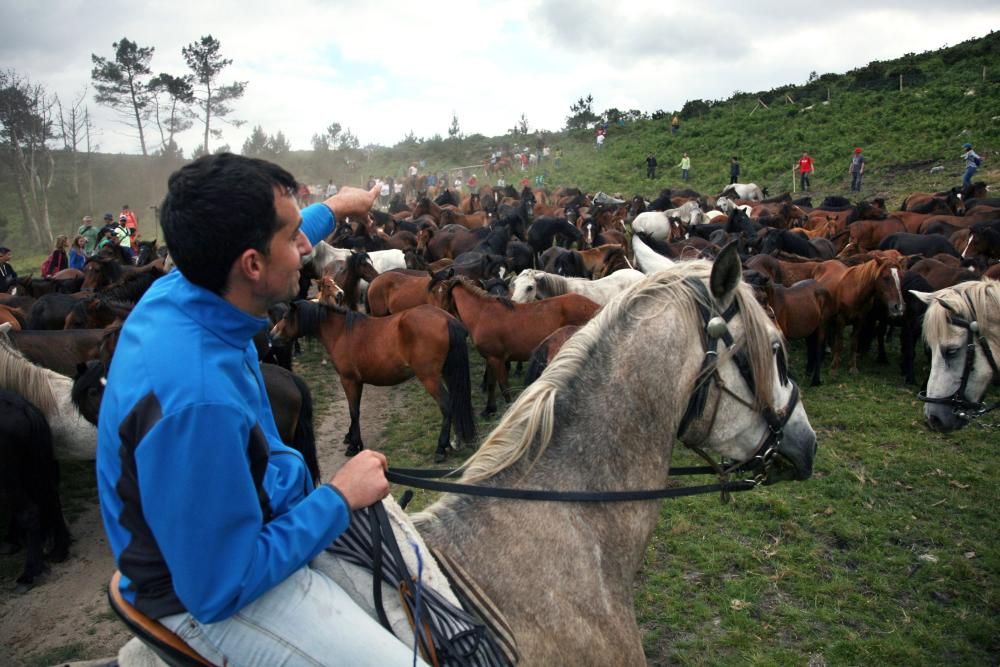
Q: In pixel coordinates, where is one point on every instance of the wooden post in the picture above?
(828, 93)
(793, 179)
(900, 83)
(984, 72)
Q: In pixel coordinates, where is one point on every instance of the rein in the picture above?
(963, 408)
(757, 465)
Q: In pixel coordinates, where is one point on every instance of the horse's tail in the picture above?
(304, 438)
(456, 377)
(539, 362)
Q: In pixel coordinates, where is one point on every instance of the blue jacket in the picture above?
(205, 508)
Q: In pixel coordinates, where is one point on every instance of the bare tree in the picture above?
(172, 97)
(72, 126)
(204, 57)
(26, 129)
(123, 83)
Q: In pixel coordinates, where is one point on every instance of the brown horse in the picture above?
(384, 351)
(866, 235)
(474, 220)
(13, 316)
(397, 290)
(502, 330)
(59, 350)
(940, 275)
(800, 311)
(854, 290)
(547, 351)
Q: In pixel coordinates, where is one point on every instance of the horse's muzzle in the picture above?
(795, 457)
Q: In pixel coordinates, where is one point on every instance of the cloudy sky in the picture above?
(384, 69)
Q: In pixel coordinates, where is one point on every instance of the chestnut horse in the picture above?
(800, 311)
(502, 330)
(397, 290)
(854, 289)
(385, 351)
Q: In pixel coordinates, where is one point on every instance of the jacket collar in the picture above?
(210, 310)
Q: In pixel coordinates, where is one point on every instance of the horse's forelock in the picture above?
(25, 378)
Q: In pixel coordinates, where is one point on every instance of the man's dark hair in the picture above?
(216, 208)
(4, 250)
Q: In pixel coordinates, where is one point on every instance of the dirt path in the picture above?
(67, 618)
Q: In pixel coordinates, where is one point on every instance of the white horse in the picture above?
(535, 285)
(648, 260)
(574, 604)
(957, 384)
(73, 437)
(744, 191)
(658, 224)
(328, 259)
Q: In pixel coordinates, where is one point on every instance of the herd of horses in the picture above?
(604, 300)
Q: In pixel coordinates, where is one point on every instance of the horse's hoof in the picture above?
(347, 439)
(353, 450)
(487, 413)
(440, 456)
(816, 383)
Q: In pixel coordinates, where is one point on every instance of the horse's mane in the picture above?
(867, 272)
(551, 284)
(532, 416)
(985, 298)
(25, 378)
(476, 290)
(130, 287)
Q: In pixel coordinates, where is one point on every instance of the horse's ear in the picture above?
(926, 297)
(726, 273)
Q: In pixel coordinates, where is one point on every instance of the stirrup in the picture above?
(170, 648)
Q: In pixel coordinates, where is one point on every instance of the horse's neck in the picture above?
(470, 307)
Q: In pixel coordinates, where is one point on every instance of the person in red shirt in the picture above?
(132, 225)
(525, 182)
(473, 184)
(806, 169)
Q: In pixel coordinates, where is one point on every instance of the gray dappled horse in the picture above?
(603, 417)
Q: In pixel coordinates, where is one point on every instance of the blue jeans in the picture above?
(804, 181)
(970, 171)
(684, 173)
(306, 620)
(856, 181)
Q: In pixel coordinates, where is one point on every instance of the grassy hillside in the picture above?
(948, 97)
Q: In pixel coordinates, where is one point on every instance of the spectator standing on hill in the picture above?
(331, 189)
(600, 138)
(806, 169)
(685, 165)
(650, 166)
(856, 169)
(123, 237)
(558, 158)
(8, 276)
(734, 170)
(473, 184)
(675, 124)
(89, 232)
(972, 162)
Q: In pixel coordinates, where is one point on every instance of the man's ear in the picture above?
(249, 264)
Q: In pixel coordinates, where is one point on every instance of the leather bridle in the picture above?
(716, 329)
(962, 407)
(758, 465)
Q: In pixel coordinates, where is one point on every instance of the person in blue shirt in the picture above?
(972, 162)
(78, 252)
(213, 521)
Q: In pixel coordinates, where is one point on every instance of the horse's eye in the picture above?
(950, 352)
(530, 287)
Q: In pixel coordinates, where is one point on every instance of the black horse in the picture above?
(29, 482)
(782, 240)
(546, 230)
(927, 245)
